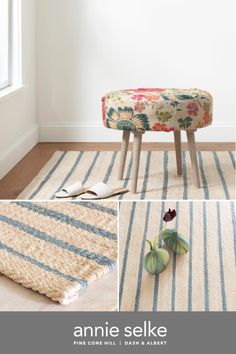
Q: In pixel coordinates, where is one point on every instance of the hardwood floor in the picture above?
(23, 173)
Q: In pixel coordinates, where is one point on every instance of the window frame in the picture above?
(6, 83)
(14, 47)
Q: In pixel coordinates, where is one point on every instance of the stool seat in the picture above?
(157, 109)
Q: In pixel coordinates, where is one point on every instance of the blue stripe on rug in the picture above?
(63, 183)
(203, 175)
(110, 167)
(50, 173)
(190, 285)
(163, 206)
(141, 258)
(59, 243)
(205, 257)
(165, 180)
(220, 172)
(232, 158)
(146, 174)
(222, 280)
(86, 177)
(232, 207)
(96, 206)
(128, 174)
(156, 281)
(174, 263)
(41, 265)
(66, 219)
(185, 175)
(122, 278)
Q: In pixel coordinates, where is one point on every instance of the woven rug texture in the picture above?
(157, 175)
(202, 280)
(57, 249)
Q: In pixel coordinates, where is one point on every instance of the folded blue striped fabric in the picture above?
(56, 248)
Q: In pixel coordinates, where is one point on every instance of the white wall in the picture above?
(19, 130)
(87, 48)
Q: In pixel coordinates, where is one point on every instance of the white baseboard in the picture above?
(11, 156)
(95, 133)
(98, 133)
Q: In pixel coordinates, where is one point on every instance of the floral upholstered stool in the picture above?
(165, 110)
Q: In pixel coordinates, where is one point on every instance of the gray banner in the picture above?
(66, 333)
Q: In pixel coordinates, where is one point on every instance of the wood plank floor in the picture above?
(100, 296)
(23, 173)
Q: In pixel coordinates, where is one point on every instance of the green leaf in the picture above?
(165, 98)
(185, 123)
(164, 116)
(186, 97)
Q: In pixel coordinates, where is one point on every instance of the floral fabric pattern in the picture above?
(157, 109)
(126, 119)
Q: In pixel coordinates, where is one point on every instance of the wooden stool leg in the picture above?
(136, 157)
(123, 153)
(193, 156)
(177, 135)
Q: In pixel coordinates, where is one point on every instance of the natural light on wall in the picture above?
(10, 44)
(4, 43)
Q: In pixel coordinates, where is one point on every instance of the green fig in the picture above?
(175, 241)
(156, 260)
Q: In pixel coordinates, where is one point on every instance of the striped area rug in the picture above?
(157, 176)
(202, 280)
(57, 249)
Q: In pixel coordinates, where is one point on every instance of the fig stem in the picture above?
(150, 244)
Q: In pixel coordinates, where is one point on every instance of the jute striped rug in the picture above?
(157, 176)
(202, 280)
(56, 248)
